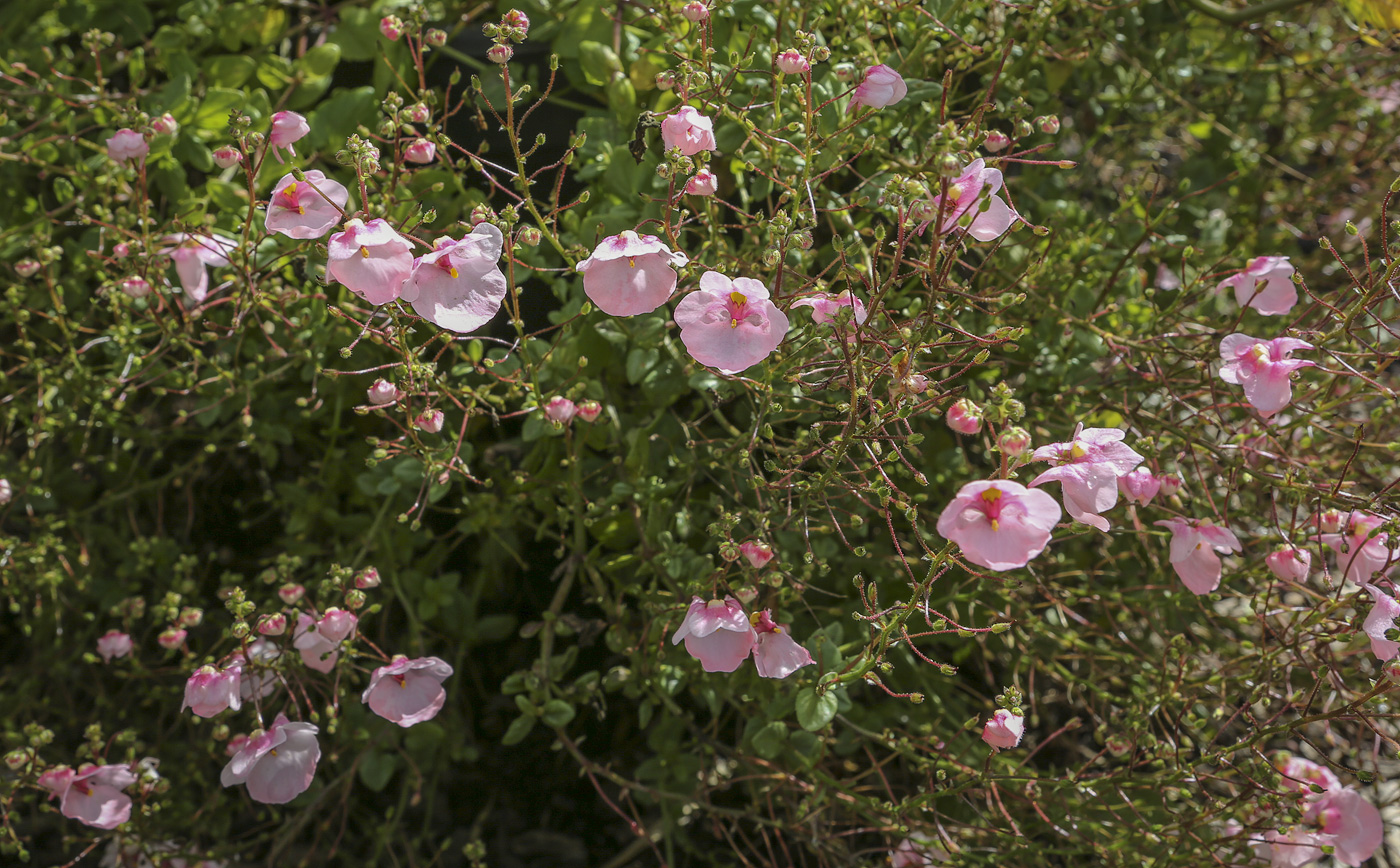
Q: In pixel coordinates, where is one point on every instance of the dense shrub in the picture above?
(984, 225)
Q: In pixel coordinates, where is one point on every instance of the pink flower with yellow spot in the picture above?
(306, 209)
(999, 524)
(730, 324)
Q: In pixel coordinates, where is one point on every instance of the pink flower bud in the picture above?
(191, 617)
(1048, 124)
(172, 638)
(113, 645)
(964, 417)
(435, 37)
(560, 410)
(227, 156)
(272, 625)
(382, 392)
(419, 113)
(421, 151)
(165, 125)
(588, 410)
(665, 80)
(136, 287)
(480, 214)
(392, 27)
(1013, 442)
(291, 594)
(7, 492)
(1330, 521)
(517, 20)
(1118, 745)
(703, 184)
(429, 421)
(121, 251)
(695, 11)
(500, 53)
(1004, 730)
(16, 759)
(791, 62)
(1140, 486)
(27, 268)
(1171, 484)
(367, 578)
(1290, 564)
(1391, 668)
(209, 691)
(996, 141)
(127, 145)
(757, 553)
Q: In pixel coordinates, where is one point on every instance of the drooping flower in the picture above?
(881, 87)
(291, 593)
(757, 553)
(192, 255)
(589, 411)
(1263, 368)
(1361, 550)
(407, 691)
(972, 205)
(560, 410)
(630, 274)
(318, 651)
(730, 324)
(112, 645)
(1004, 730)
(1380, 621)
(92, 795)
(964, 417)
(1292, 848)
(382, 392)
(687, 129)
(999, 524)
(702, 183)
(1193, 551)
(287, 127)
(371, 259)
(917, 852)
(1087, 469)
(429, 421)
(1266, 284)
(791, 62)
(306, 209)
(776, 654)
(209, 691)
(135, 287)
(420, 151)
(717, 633)
(1289, 563)
(127, 145)
(255, 680)
(337, 625)
(1140, 486)
(277, 765)
(826, 305)
(1351, 822)
(460, 285)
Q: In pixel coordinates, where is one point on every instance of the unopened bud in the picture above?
(588, 410)
(367, 578)
(435, 37)
(949, 166)
(665, 80)
(529, 236)
(996, 141)
(1014, 442)
(291, 593)
(172, 638)
(429, 421)
(1048, 124)
(272, 625)
(500, 53)
(27, 267)
(227, 156)
(695, 11)
(392, 27)
(355, 599)
(135, 287)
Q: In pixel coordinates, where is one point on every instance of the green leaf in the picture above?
(212, 115)
(768, 741)
(600, 62)
(518, 729)
(376, 769)
(557, 712)
(320, 60)
(229, 70)
(815, 712)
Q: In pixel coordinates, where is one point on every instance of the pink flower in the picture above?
(1361, 550)
(93, 795)
(421, 151)
(825, 306)
(1299, 774)
(630, 274)
(407, 691)
(171, 638)
(560, 410)
(318, 651)
(1381, 620)
(382, 392)
(287, 127)
(209, 691)
(192, 255)
(135, 287)
(917, 852)
(1290, 564)
(277, 765)
(460, 285)
(291, 593)
(1171, 484)
(29, 267)
(392, 27)
(791, 62)
(588, 411)
(113, 644)
(758, 554)
(996, 141)
(1266, 285)
(1140, 486)
(127, 145)
(1263, 368)
(703, 183)
(1292, 849)
(337, 625)
(306, 209)
(999, 524)
(730, 324)
(257, 681)
(419, 113)
(881, 87)
(972, 205)
(695, 11)
(165, 125)
(371, 259)
(688, 130)
(1193, 551)
(1087, 469)
(964, 417)
(430, 421)
(226, 157)
(367, 578)
(1352, 822)
(717, 633)
(272, 625)
(775, 654)
(1004, 730)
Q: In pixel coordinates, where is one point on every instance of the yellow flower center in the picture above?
(364, 251)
